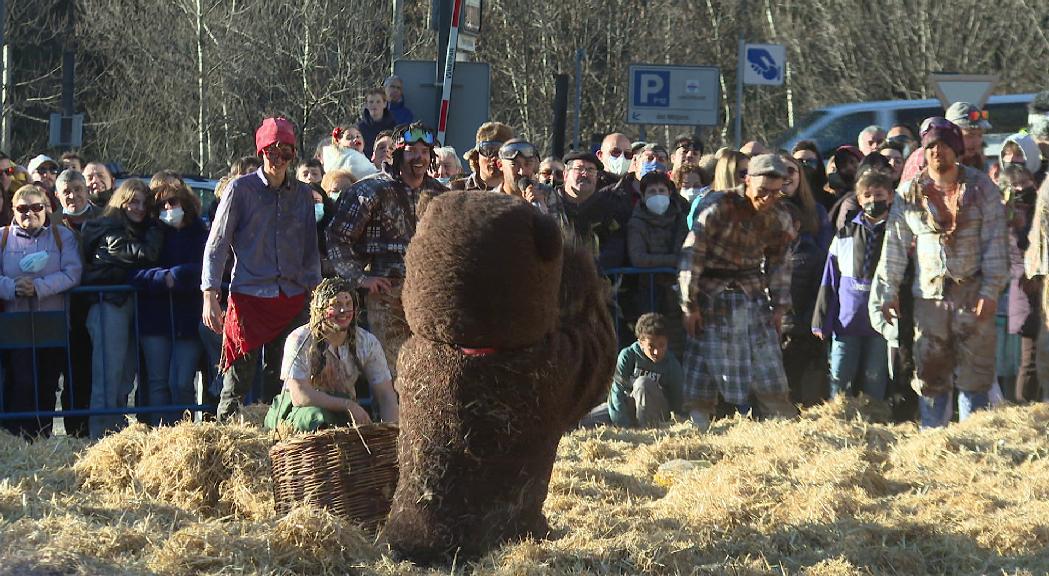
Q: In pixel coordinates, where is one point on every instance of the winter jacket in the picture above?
(181, 256)
(60, 273)
(370, 128)
(114, 247)
(600, 221)
(401, 113)
(654, 240)
(841, 307)
(808, 258)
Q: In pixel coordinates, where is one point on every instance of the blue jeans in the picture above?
(212, 344)
(934, 408)
(114, 362)
(172, 369)
(859, 360)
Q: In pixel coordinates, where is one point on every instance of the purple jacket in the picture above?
(60, 273)
(841, 306)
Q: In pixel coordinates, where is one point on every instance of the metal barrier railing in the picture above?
(52, 329)
(617, 275)
(36, 330)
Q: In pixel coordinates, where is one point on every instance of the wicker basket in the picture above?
(333, 469)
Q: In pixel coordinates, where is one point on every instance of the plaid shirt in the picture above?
(374, 221)
(976, 249)
(731, 244)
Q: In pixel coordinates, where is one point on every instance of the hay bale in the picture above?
(209, 468)
(305, 541)
(828, 494)
(309, 540)
(109, 463)
(207, 547)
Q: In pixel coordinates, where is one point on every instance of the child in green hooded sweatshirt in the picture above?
(648, 379)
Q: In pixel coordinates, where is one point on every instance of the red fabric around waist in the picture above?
(252, 321)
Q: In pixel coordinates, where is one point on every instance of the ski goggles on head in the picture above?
(413, 134)
(511, 151)
(977, 115)
(489, 148)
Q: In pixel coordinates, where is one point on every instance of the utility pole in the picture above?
(397, 35)
(68, 74)
(740, 60)
(580, 54)
(5, 84)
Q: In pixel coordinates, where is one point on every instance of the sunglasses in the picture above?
(276, 152)
(43, 170)
(25, 208)
(511, 151)
(413, 135)
(807, 163)
(173, 201)
(489, 148)
(616, 153)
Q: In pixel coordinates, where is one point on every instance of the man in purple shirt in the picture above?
(266, 220)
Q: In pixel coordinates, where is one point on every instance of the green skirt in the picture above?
(304, 418)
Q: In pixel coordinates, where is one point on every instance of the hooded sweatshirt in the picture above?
(1029, 148)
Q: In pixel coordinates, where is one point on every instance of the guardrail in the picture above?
(37, 330)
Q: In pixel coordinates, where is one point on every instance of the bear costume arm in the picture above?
(586, 340)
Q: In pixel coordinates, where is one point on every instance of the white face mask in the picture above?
(689, 193)
(618, 166)
(33, 263)
(318, 211)
(658, 204)
(444, 180)
(70, 212)
(172, 217)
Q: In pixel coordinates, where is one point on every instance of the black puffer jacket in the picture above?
(113, 246)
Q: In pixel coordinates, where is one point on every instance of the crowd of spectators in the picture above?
(770, 278)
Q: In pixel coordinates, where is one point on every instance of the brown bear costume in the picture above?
(512, 343)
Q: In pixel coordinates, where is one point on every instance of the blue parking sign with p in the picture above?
(651, 88)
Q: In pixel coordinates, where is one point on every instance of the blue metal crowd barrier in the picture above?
(616, 276)
(36, 330)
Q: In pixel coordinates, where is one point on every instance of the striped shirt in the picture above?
(975, 249)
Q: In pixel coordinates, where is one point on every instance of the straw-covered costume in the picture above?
(511, 344)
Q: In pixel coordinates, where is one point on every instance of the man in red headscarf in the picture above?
(266, 220)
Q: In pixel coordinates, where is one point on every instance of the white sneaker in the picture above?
(699, 419)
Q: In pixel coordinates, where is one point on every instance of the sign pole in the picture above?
(449, 71)
(580, 53)
(740, 58)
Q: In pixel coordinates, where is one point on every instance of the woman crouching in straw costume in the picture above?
(322, 361)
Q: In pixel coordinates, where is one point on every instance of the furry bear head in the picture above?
(483, 271)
